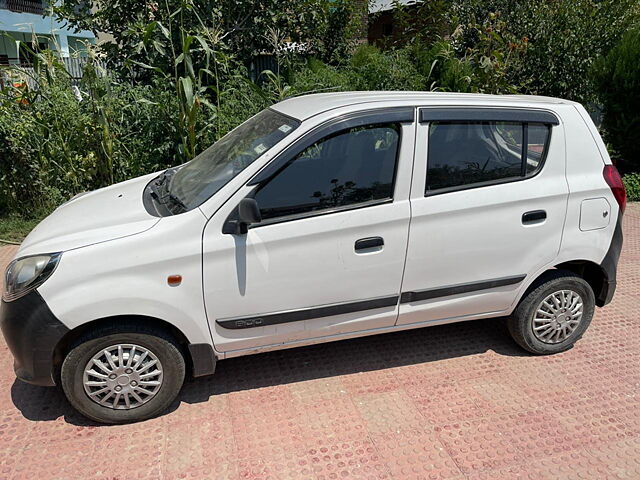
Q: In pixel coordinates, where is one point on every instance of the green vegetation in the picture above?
(618, 78)
(632, 185)
(177, 78)
(13, 228)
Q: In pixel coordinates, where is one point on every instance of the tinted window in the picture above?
(538, 136)
(466, 153)
(350, 167)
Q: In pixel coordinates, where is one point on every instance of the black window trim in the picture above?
(318, 213)
(499, 181)
(343, 122)
(378, 116)
(487, 114)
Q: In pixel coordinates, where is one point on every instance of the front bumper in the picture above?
(32, 332)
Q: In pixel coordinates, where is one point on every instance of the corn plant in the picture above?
(194, 73)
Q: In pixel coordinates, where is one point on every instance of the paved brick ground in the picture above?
(449, 402)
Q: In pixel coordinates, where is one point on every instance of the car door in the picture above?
(486, 211)
(328, 255)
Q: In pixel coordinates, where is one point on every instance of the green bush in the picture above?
(563, 39)
(53, 146)
(617, 76)
(316, 76)
(632, 186)
(373, 69)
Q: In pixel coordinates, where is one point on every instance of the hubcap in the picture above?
(122, 376)
(557, 316)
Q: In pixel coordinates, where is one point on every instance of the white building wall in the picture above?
(22, 26)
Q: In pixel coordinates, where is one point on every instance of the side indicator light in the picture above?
(174, 280)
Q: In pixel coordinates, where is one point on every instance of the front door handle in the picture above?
(534, 216)
(368, 243)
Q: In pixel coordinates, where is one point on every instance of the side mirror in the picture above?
(247, 214)
(248, 211)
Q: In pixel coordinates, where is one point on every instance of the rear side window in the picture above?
(351, 167)
(467, 154)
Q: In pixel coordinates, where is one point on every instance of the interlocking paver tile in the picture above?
(621, 457)
(481, 444)
(416, 455)
(389, 412)
(452, 402)
(357, 459)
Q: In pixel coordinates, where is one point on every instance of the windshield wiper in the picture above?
(160, 190)
(177, 202)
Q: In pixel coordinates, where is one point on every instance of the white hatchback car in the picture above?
(322, 218)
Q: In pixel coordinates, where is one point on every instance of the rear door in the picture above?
(488, 205)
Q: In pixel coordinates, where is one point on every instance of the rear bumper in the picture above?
(609, 266)
(32, 332)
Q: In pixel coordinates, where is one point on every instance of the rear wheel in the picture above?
(123, 377)
(554, 314)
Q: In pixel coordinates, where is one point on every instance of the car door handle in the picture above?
(534, 216)
(369, 242)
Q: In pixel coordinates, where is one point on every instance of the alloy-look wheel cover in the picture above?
(558, 316)
(123, 376)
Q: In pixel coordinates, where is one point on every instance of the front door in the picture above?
(488, 205)
(328, 256)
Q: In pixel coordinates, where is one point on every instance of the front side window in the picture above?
(473, 153)
(348, 168)
(203, 176)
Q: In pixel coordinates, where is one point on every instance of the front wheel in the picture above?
(123, 377)
(553, 315)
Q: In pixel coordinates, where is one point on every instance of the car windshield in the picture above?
(207, 173)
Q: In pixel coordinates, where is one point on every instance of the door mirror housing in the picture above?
(247, 213)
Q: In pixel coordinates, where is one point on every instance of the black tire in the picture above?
(159, 343)
(521, 323)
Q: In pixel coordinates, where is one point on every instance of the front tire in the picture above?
(554, 315)
(122, 377)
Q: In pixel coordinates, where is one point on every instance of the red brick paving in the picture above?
(448, 402)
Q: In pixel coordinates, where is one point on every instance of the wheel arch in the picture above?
(199, 358)
(595, 275)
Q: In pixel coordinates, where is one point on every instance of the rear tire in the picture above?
(554, 314)
(116, 376)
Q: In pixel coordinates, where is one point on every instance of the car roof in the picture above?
(306, 106)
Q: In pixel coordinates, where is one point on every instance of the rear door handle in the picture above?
(534, 216)
(369, 242)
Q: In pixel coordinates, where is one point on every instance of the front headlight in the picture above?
(28, 273)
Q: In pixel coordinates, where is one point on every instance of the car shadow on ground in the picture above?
(333, 359)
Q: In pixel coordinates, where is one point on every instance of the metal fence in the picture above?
(24, 6)
(75, 66)
(24, 73)
(260, 63)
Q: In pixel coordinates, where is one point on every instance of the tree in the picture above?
(617, 78)
(324, 26)
(563, 37)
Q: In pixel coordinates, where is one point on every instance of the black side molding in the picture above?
(487, 114)
(407, 297)
(307, 313)
(202, 358)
